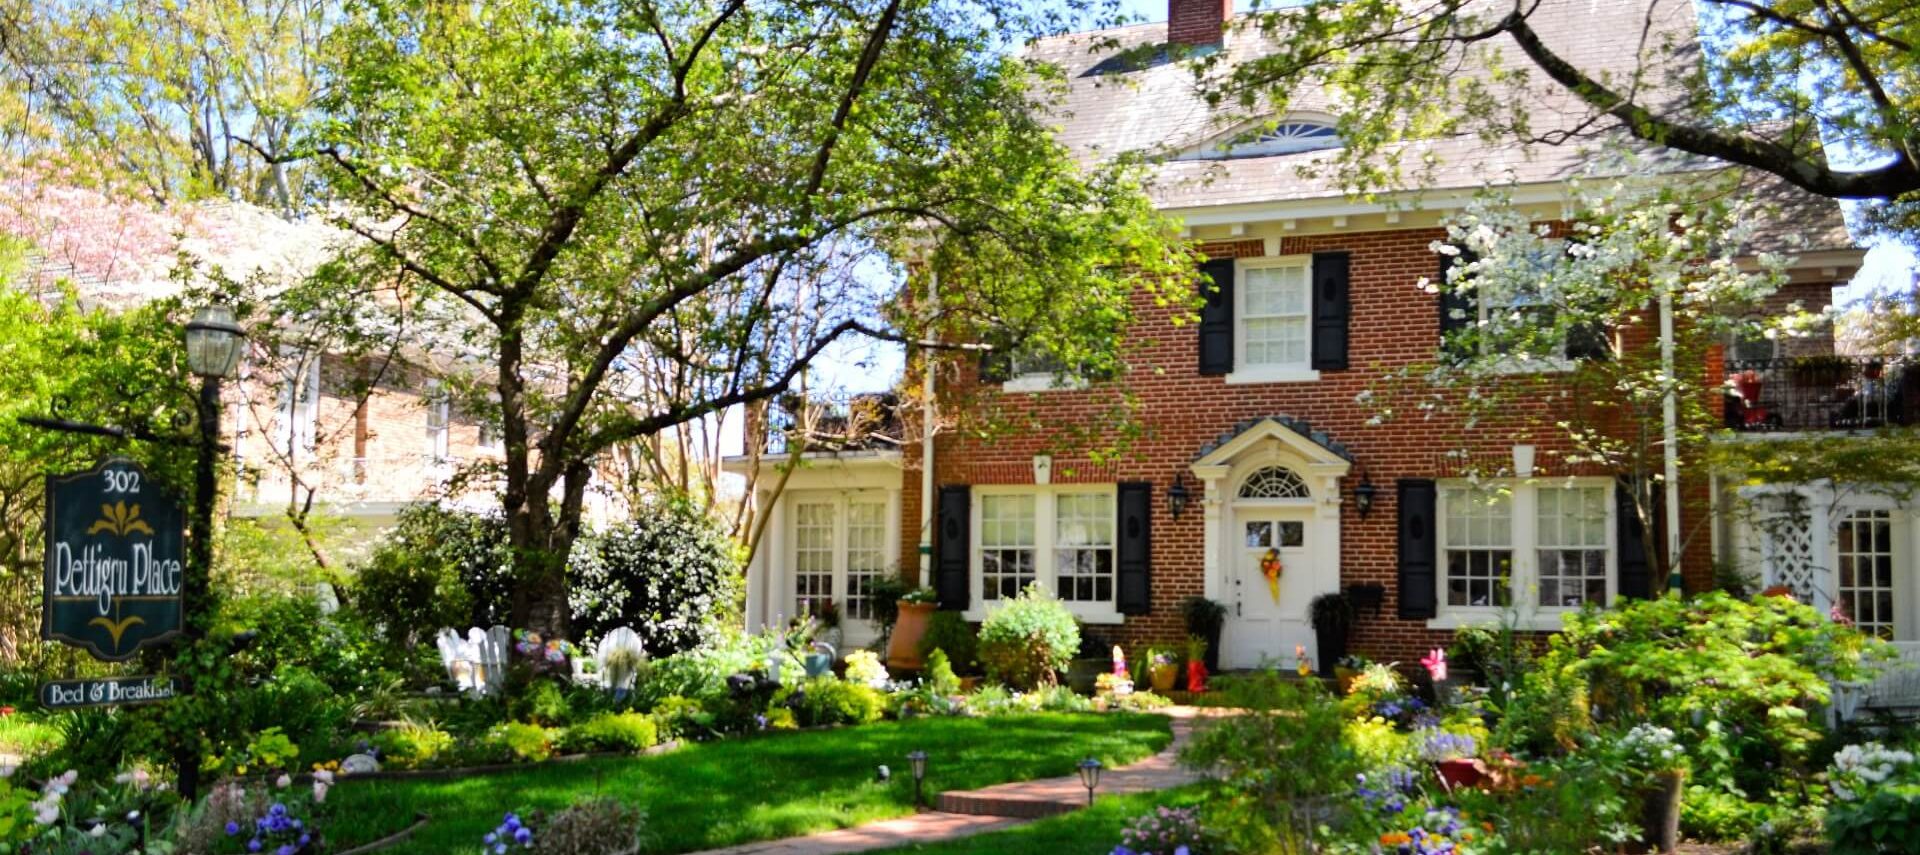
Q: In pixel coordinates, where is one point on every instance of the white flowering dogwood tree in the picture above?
(1555, 329)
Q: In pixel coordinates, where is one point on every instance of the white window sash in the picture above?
(1525, 545)
(1045, 561)
(1245, 371)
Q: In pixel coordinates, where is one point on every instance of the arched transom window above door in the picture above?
(1275, 482)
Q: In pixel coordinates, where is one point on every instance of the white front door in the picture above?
(1265, 621)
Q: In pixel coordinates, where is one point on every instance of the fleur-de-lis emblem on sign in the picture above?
(117, 628)
(120, 519)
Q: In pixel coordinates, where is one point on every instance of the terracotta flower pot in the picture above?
(1163, 677)
(903, 651)
(1459, 773)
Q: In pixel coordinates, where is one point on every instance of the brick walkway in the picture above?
(964, 814)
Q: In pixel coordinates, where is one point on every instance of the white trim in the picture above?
(782, 595)
(1524, 578)
(1040, 382)
(1289, 372)
(1045, 517)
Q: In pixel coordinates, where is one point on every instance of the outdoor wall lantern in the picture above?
(1363, 494)
(1090, 776)
(1177, 496)
(918, 762)
(213, 343)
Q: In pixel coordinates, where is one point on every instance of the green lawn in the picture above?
(741, 790)
(1094, 831)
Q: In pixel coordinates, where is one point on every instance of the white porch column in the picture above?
(1213, 542)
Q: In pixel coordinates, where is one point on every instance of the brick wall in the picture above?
(1393, 324)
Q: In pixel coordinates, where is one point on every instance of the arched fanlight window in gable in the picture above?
(1292, 136)
(1274, 482)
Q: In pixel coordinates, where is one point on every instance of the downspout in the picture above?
(927, 418)
(1670, 416)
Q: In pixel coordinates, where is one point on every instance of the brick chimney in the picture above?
(1197, 22)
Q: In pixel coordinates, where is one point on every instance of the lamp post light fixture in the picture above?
(1090, 776)
(1363, 495)
(214, 341)
(1177, 496)
(917, 761)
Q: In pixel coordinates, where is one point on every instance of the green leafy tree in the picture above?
(724, 188)
(1780, 85)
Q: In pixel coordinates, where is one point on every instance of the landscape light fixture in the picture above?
(1090, 776)
(918, 762)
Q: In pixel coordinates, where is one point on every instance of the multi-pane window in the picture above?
(812, 555)
(297, 411)
(1478, 547)
(439, 422)
(866, 555)
(1083, 547)
(1570, 538)
(1007, 545)
(1274, 315)
(1865, 542)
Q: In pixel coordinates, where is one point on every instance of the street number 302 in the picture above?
(122, 481)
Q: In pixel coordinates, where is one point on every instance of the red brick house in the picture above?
(1254, 436)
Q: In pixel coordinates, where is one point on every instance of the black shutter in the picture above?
(996, 366)
(1457, 311)
(1635, 561)
(1419, 584)
(952, 547)
(1216, 318)
(1588, 341)
(1331, 308)
(1135, 521)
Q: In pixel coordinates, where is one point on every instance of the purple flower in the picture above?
(233, 828)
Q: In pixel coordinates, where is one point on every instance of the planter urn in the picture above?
(1660, 812)
(1163, 677)
(1459, 773)
(903, 650)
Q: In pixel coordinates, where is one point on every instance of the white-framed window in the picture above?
(297, 405)
(1273, 320)
(866, 554)
(1291, 136)
(1062, 537)
(1009, 545)
(489, 438)
(439, 421)
(1034, 369)
(1867, 586)
(840, 542)
(1537, 548)
(814, 555)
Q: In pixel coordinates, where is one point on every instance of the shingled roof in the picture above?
(1127, 93)
(1299, 426)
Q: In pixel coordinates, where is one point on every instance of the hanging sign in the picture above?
(116, 556)
(71, 694)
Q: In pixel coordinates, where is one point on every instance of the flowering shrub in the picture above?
(1441, 832)
(1877, 801)
(277, 830)
(1028, 638)
(1165, 831)
(1387, 790)
(511, 833)
(1438, 746)
(1652, 748)
(546, 656)
(863, 667)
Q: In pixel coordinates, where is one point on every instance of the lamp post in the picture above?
(1090, 776)
(214, 341)
(917, 761)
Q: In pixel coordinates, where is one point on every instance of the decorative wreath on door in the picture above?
(1271, 568)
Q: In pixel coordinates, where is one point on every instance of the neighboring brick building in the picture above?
(1255, 414)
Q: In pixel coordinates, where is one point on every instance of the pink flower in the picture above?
(1436, 663)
